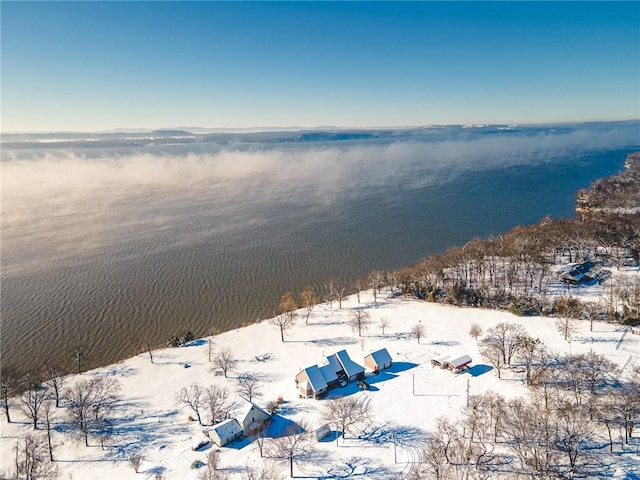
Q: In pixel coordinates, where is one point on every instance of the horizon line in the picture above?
(257, 129)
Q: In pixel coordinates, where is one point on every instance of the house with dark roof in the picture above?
(579, 273)
(378, 360)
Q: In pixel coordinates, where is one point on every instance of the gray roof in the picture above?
(380, 357)
(328, 372)
(315, 377)
(460, 361)
(350, 367)
(227, 429)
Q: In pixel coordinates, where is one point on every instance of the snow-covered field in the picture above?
(406, 399)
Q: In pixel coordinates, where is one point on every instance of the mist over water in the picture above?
(107, 243)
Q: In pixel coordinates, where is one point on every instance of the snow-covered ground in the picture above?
(406, 399)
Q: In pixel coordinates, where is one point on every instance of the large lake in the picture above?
(115, 238)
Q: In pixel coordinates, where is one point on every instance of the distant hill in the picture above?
(170, 133)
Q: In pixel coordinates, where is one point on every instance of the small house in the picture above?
(251, 418)
(378, 360)
(226, 432)
(458, 364)
(580, 273)
(322, 432)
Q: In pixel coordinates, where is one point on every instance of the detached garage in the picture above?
(378, 360)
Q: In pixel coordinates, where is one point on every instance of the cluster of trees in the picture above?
(511, 271)
(85, 408)
(621, 191)
(550, 435)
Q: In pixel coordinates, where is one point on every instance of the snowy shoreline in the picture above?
(407, 398)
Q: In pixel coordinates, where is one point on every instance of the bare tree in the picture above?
(339, 292)
(383, 324)
(450, 454)
(135, 460)
(224, 360)
(32, 400)
(494, 356)
(216, 399)
(475, 331)
(211, 472)
(249, 386)
(532, 433)
(32, 462)
(47, 422)
(106, 392)
(376, 280)
(308, 301)
(79, 399)
(284, 322)
(55, 378)
(418, 331)
(263, 472)
(503, 338)
(147, 344)
(288, 304)
(566, 326)
(294, 446)
(589, 313)
(359, 321)
(528, 348)
(87, 403)
(78, 357)
(9, 381)
(567, 309)
(192, 397)
(347, 412)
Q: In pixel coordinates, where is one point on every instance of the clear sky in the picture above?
(102, 65)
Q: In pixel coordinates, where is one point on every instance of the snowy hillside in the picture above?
(405, 400)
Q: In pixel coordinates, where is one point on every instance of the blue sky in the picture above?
(101, 65)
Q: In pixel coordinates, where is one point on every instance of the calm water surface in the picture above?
(100, 250)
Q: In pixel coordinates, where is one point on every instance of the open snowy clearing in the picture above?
(406, 399)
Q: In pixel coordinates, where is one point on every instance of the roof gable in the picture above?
(380, 357)
(227, 429)
(460, 361)
(315, 378)
(350, 367)
(329, 373)
(244, 409)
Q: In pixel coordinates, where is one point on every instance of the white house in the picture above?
(251, 418)
(226, 432)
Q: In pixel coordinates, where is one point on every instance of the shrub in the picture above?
(525, 307)
(197, 464)
(180, 340)
(272, 407)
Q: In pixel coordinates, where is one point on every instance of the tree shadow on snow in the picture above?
(281, 427)
(333, 342)
(445, 343)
